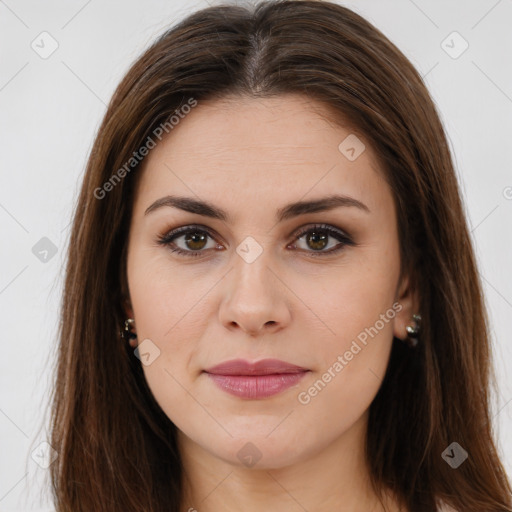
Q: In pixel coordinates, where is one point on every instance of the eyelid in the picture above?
(300, 232)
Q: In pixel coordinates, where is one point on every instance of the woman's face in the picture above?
(270, 269)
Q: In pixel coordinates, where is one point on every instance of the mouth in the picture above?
(258, 380)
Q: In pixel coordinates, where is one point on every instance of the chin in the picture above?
(261, 452)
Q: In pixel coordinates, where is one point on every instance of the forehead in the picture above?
(261, 149)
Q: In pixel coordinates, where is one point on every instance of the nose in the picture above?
(254, 299)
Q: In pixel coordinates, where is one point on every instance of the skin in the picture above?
(251, 157)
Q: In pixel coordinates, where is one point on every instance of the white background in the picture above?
(51, 109)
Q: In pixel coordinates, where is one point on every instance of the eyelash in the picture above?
(167, 239)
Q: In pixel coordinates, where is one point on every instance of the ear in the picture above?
(128, 313)
(407, 297)
(127, 308)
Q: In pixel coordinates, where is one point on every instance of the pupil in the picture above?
(318, 240)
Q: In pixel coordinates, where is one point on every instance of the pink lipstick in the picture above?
(261, 379)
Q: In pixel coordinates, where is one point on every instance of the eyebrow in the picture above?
(289, 211)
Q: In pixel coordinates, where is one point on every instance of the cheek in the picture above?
(353, 303)
(168, 311)
(164, 295)
(170, 374)
(353, 364)
(353, 350)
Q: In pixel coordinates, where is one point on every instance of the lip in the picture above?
(257, 380)
(262, 367)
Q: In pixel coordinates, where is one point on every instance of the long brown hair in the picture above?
(117, 449)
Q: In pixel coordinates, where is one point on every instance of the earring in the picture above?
(126, 333)
(413, 331)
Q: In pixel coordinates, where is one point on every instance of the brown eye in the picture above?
(195, 240)
(189, 241)
(318, 238)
